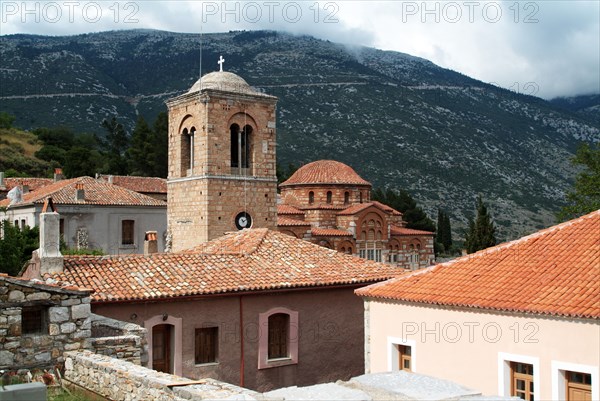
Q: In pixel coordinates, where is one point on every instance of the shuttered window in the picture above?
(278, 335)
(207, 345)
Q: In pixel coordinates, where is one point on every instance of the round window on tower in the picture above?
(243, 220)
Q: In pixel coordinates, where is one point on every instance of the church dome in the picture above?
(222, 81)
(325, 172)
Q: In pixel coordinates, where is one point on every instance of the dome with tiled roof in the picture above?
(223, 81)
(325, 172)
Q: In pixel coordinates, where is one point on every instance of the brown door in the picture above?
(579, 386)
(161, 348)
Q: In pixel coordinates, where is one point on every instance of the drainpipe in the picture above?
(241, 343)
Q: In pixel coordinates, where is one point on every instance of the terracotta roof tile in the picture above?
(96, 193)
(329, 232)
(555, 271)
(325, 172)
(395, 230)
(138, 184)
(359, 207)
(33, 183)
(288, 209)
(247, 260)
(286, 221)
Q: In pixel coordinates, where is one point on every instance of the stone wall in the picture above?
(57, 319)
(120, 380)
(119, 339)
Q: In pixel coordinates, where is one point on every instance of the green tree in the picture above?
(283, 174)
(482, 231)
(16, 246)
(115, 144)
(80, 161)
(60, 137)
(160, 142)
(6, 120)
(444, 231)
(141, 151)
(414, 216)
(585, 196)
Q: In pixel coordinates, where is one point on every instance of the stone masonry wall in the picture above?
(65, 323)
(119, 339)
(120, 380)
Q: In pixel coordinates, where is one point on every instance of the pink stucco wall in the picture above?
(330, 340)
(471, 347)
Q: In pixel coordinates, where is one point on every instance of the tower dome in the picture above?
(223, 81)
(325, 172)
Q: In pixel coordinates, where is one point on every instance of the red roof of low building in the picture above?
(329, 232)
(33, 183)
(288, 209)
(95, 193)
(286, 221)
(359, 207)
(395, 230)
(138, 184)
(248, 260)
(325, 172)
(555, 271)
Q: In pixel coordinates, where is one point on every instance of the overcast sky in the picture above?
(548, 48)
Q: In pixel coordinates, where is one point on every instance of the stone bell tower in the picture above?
(221, 160)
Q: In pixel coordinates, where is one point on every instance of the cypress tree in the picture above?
(482, 231)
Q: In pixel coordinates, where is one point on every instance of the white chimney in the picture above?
(15, 195)
(51, 260)
(1, 179)
(150, 243)
(58, 174)
(25, 189)
(79, 192)
(111, 179)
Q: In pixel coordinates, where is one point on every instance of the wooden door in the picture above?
(161, 348)
(579, 386)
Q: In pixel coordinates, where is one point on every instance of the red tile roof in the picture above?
(47, 286)
(395, 230)
(288, 209)
(359, 207)
(329, 232)
(32, 183)
(325, 172)
(248, 260)
(387, 208)
(555, 271)
(96, 193)
(138, 184)
(286, 221)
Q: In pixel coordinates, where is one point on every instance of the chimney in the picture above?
(1, 179)
(111, 179)
(150, 243)
(25, 189)
(51, 260)
(58, 174)
(79, 192)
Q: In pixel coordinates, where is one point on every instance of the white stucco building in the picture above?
(94, 215)
(520, 319)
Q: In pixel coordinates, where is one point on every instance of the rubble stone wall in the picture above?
(121, 380)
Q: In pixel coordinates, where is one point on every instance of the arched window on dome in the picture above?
(329, 197)
(240, 146)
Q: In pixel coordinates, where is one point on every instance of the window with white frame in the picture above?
(573, 381)
(518, 376)
(278, 342)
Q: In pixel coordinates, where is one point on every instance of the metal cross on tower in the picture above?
(220, 62)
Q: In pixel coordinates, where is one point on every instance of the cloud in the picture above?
(554, 45)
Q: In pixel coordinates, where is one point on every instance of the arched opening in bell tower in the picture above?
(241, 140)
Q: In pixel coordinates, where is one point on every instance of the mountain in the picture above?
(399, 120)
(587, 106)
